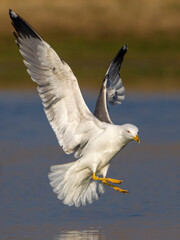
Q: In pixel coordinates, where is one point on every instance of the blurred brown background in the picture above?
(87, 35)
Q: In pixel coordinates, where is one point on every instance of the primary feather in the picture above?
(57, 85)
(112, 89)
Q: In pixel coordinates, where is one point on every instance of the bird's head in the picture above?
(130, 132)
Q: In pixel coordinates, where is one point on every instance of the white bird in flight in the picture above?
(93, 139)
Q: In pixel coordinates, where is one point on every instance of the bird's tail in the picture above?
(74, 185)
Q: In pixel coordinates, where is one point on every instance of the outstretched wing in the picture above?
(58, 88)
(112, 89)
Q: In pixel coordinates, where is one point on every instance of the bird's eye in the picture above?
(128, 131)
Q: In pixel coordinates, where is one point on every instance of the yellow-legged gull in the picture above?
(94, 139)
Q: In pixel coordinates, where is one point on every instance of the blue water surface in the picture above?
(151, 170)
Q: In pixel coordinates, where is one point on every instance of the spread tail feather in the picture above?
(74, 185)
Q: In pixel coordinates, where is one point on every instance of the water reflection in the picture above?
(78, 235)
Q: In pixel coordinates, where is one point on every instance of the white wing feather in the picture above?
(69, 116)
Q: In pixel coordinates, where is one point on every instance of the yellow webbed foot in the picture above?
(120, 190)
(107, 182)
(107, 179)
(115, 188)
(116, 181)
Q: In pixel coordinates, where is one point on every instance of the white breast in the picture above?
(103, 148)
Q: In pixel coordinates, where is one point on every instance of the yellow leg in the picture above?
(107, 179)
(114, 187)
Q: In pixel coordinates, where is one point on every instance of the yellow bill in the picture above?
(136, 138)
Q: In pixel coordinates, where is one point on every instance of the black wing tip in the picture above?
(121, 53)
(12, 14)
(125, 47)
(22, 27)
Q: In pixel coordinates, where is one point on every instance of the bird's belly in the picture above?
(104, 154)
(99, 152)
(106, 158)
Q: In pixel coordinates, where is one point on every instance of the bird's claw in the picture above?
(116, 181)
(120, 190)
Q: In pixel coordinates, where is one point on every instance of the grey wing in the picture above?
(58, 88)
(112, 89)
